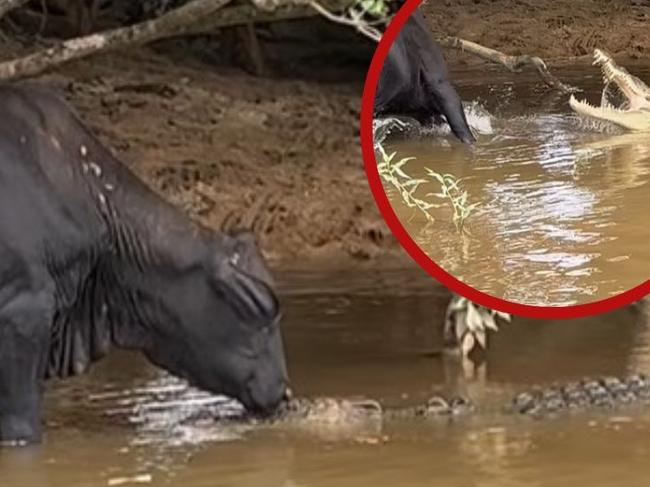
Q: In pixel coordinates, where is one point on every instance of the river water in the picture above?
(357, 333)
(562, 215)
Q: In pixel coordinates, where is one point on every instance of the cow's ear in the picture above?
(244, 253)
(244, 235)
(241, 276)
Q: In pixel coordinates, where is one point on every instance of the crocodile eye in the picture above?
(234, 259)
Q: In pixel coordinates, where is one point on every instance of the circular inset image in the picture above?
(520, 186)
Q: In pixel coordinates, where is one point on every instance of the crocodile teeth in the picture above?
(634, 112)
(604, 60)
(573, 101)
(601, 58)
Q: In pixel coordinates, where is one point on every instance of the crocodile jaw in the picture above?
(635, 90)
(636, 114)
(638, 120)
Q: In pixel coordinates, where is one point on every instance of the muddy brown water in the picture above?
(356, 334)
(563, 204)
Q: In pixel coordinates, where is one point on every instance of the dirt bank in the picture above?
(281, 156)
(553, 29)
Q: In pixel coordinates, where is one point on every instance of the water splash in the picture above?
(478, 118)
(383, 127)
(166, 410)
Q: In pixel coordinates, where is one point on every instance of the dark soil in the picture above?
(552, 29)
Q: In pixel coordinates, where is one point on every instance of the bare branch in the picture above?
(354, 20)
(247, 13)
(8, 5)
(272, 5)
(197, 16)
(513, 63)
(170, 24)
(202, 16)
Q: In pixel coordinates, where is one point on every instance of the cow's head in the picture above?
(224, 334)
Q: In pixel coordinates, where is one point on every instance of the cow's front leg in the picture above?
(24, 339)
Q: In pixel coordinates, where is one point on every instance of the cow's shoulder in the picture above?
(32, 105)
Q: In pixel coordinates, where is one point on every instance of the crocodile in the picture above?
(634, 112)
(172, 409)
(589, 394)
(602, 393)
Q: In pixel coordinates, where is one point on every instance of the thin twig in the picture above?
(353, 21)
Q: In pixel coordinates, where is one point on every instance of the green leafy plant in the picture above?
(392, 171)
(457, 197)
(376, 8)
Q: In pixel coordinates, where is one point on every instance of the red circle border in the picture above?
(412, 248)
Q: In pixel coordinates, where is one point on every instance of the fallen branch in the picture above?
(202, 16)
(288, 9)
(513, 63)
(167, 25)
(197, 16)
(8, 5)
(245, 14)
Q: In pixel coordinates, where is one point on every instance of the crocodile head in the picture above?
(634, 113)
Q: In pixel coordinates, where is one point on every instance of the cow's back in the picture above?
(45, 205)
(400, 86)
(413, 64)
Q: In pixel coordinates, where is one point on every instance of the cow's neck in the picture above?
(153, 247)
(110, 290)
(122, 293)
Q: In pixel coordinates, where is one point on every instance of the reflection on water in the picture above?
(563, 202)
(355, 334)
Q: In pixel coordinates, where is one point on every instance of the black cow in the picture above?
(414, 81)
(90, 257)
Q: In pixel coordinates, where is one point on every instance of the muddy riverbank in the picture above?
(280, 157)
(554, 29)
